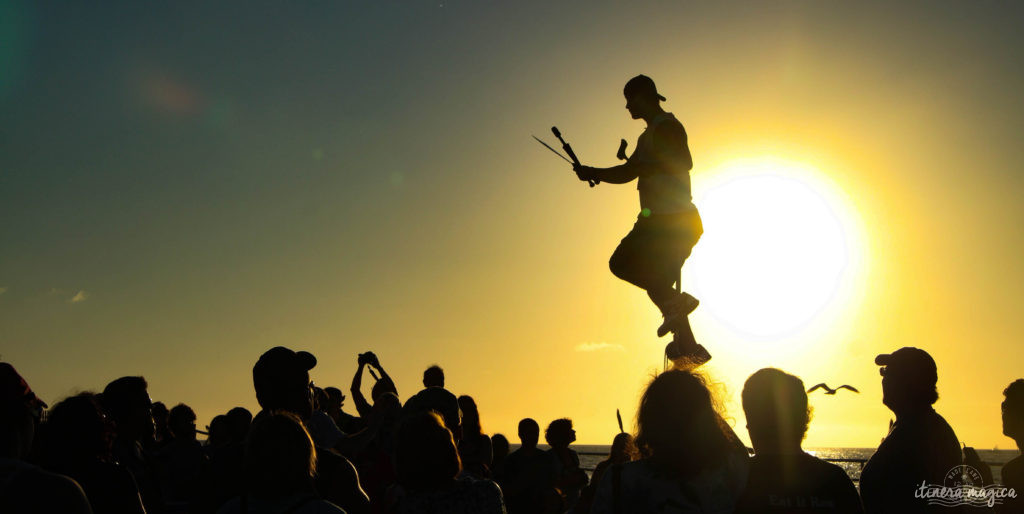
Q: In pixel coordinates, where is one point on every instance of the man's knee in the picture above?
(626, 269)
(618, 266)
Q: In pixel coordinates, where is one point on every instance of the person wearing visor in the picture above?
(920, 447)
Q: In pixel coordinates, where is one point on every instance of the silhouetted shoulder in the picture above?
(669, 140)
(941, 445)
(1013, 471)
(815, 466)
(797, 483)
(670, 129)
(436, 399)
(28, 489)
(304, 504)
(468, 496)
(110, 487)
(641, 488)
(338, 482)
(1013, 476)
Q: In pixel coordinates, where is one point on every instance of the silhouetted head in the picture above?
(500, 446)
(320, 399)
(76, 432)
(281, 379)
(642, 97)
(386, 412)
(560, 433)
(219, 432)
(181, 421)
(239, 419)
(623, 448)
(425, 454)
(382, 387)
(280, 459)
(159, 410)
(1013, 411)
(678, 426)
(335, 398)
(160, 413)
(529, 432)
(433, 376)
(775, 404)
(470, 416)
(127, 402)
(909, 377)
(20, 413)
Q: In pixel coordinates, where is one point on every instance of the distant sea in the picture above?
(590, 455)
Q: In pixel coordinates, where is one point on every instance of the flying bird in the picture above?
(829, 390)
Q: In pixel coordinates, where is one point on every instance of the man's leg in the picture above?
(672, 247)
(631, 260)
(664, 296)
(650, 259)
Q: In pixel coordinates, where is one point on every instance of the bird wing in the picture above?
(819, 386)
(850, 387)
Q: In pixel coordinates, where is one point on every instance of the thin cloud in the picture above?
(3, 290)
(79, 297)
(599, 347)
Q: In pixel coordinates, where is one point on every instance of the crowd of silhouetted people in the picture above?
(118, 452)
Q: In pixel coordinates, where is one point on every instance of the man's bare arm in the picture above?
(670, 150)
(620, 174)
(362, 406)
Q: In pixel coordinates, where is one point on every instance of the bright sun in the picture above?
(780, 247)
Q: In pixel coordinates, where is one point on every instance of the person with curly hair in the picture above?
(690, 460)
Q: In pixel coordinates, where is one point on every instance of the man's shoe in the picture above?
(680, 310)
(687, 356)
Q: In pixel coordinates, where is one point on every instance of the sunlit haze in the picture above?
(185, 185)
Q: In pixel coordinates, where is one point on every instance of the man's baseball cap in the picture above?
(14, 390)
(910, 363)
(280, 364)
(641, 84)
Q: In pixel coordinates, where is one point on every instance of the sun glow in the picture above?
(781, 249)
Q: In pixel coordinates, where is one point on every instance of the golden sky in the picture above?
(184, 188)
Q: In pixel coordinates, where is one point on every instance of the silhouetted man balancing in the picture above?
(651, 255)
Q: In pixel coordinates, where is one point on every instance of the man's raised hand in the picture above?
(585, 173)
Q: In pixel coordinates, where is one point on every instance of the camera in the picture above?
(367, 358)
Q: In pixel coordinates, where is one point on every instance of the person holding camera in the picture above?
(383, 384)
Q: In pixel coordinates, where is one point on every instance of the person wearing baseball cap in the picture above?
(24, 487)
(281, 380)
(668, 225)
(921, 447)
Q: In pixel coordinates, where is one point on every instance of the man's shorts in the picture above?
(654, 251)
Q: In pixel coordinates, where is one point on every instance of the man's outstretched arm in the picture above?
(362, 406)
(620, 174)
(670, 151)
